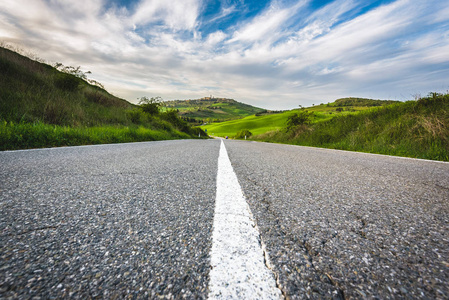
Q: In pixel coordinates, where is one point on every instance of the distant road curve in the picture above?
(137, 220)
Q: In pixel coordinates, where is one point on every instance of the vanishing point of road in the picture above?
(184, 219)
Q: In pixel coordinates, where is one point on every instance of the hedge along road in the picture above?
(137, 220)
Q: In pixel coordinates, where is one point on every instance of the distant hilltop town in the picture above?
(211, 109)
(205, 101)
(214, 98)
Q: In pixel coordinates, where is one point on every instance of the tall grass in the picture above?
(37, 135)
(35, 92)
(414, 129)
(43, 107)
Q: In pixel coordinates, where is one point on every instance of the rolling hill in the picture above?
(266, 121)
(211, 109)
(414, 128)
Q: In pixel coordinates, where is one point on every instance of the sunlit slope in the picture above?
(269, 122)
(256, 124)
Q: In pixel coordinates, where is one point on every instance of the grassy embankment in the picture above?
(43, 107)
(40, 135)
(414, 129)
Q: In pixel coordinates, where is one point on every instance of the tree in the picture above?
(303, 117)
(151, 105)
(78, 73)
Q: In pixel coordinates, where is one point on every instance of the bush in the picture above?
(245, 133)
(172, 117)
(303, 117)
(150, 106)
(196, 131)
(134, 116)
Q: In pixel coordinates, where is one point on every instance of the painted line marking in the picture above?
(237, 259)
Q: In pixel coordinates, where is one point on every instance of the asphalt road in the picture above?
(110, 221)
(348, 225)
(135, 221)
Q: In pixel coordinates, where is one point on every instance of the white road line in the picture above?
(237, 259)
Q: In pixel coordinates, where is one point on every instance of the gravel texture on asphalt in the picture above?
(344, 225)
(109, 221)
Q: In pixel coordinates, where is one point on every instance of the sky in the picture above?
(276, 54)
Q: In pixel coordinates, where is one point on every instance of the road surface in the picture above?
(137, 220)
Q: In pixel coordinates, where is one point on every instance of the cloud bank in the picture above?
(272, 54)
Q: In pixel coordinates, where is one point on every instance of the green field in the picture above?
(255, 124)
(259, 124)
(40, 106)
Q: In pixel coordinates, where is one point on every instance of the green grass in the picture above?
(43, 107)
(35, 92)
(37, 135)
(414, 129)
(255, 124)
(259, 124)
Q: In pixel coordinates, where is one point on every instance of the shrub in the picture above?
(196, 131)
(134, 116)
(303, 117)
(172, 117)
(150, 106)
(244, 133)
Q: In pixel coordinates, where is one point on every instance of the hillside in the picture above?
(264, 121)
(256, 124)
(414, 128)
(210, 109)
(31, 91)
(36, 98)
(352, 101)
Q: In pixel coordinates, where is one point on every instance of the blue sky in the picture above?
(274, 54)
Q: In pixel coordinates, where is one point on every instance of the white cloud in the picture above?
(265, 27)
(358, 42)
(215, 37)
(175, 14)
(225, 11)
(283, 57)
